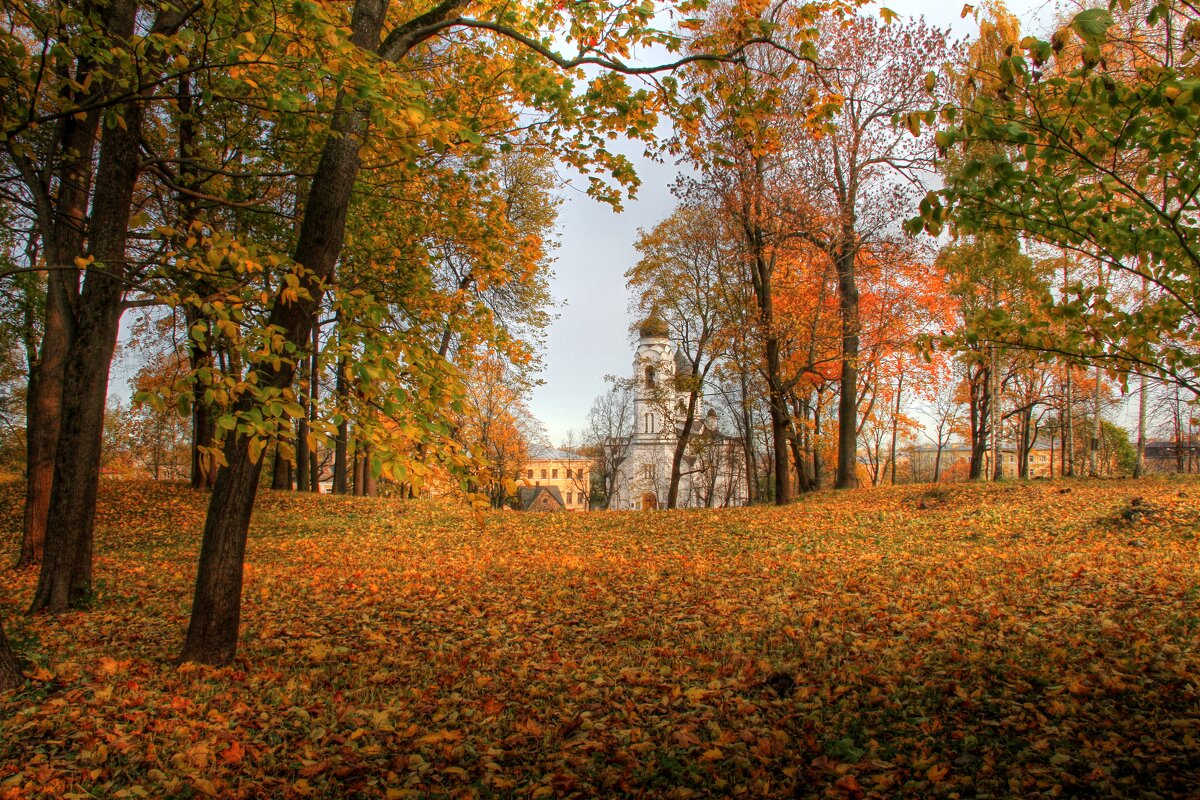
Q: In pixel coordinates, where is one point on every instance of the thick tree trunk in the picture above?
(980, 409)
(847, 474)
(280, 476)
(66, 576)
(302, 452)
(216, 605)
(64, 240)
(10, 666)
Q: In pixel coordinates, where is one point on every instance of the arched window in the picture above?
(650, 376)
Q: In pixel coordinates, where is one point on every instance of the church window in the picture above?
(649, 376)
(648, 471)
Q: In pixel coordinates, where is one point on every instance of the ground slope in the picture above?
(1013, 640)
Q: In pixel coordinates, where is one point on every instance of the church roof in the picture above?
(654, 326)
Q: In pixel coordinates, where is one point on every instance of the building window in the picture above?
(649, 376)
(530, 474)
(570, 498)
(543, 473)
(554, 473)
(648, 471)
(569, 475)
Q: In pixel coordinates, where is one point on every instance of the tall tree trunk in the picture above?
(748, 450)
(980, 410)
(1069, 448)
(997, 445)
(1094, 442)
(358, 487)
(1139, 466)
(896, 424)
(280, 477)
(343, 430)
(847, 474)
(302, 452)
(64, 227)
(66, 575)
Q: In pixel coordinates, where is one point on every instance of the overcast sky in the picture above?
(590, 338)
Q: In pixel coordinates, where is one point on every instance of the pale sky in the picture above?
(590, 338)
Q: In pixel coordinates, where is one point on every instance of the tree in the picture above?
(610, 425)
(1088, 147)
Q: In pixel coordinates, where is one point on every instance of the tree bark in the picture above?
(1094, 442)
(896, 424)
(341, 446)
(44, 402)
(1139, 466)
(314, 390)
(847, 473)
(980, 410)
(10, 666)
(280, 479)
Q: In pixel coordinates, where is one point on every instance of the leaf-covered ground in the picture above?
(999, 641)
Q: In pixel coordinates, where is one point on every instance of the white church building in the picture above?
(712, 474)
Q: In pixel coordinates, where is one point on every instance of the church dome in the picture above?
(654, 326)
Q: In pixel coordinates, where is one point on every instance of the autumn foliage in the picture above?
(1010, 639)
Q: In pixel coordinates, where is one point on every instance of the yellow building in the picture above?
(567, 472)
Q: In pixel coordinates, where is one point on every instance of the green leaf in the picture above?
(1092, 25)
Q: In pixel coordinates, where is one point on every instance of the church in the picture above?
(712, 474)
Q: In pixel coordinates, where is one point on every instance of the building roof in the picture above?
(541, 452)
(540, 498)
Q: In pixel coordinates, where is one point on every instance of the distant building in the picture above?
(712, 473)
(956, 462)
(1168, 455)
(540, 498)
(567, 473)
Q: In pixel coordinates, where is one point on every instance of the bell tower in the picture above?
(653, 378)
